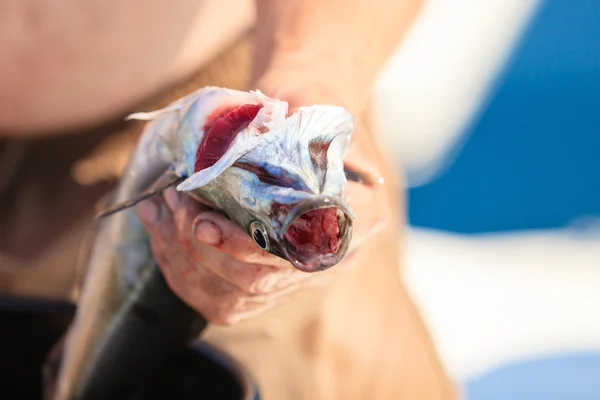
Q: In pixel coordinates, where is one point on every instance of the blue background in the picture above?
(531, 161)
(532, 156)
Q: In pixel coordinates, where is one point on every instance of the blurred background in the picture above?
(492, 109)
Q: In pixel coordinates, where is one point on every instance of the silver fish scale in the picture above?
(288, 148)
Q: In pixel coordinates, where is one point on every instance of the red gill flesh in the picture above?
(221, 128)
(315, 232)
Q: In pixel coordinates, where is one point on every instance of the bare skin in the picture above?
(69, 63)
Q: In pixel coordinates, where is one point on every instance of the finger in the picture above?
(215, 298)
(212, 249)
(214, 229)
(156, 217)
(165, 243)
(218, 300)
(149, 212)
(209, 294)
(249, 283)
(252, 308)
(249, 313)
(176, 199)
(248, 277)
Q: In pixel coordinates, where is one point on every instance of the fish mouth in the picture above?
(317, 234)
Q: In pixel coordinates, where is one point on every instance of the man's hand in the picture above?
(215, 267)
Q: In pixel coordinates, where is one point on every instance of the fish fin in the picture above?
(150, 115)
(324, 122)
(273, 113)
(167, 179)
(325, 132)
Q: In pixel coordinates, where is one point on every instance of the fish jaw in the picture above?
(317, 233)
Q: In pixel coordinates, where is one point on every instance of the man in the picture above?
(348, 333)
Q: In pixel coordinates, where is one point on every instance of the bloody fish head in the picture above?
(280, 177)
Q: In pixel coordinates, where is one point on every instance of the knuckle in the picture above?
(160, 253)
(267, 283)
(216, 287)
(162, 260)
(242, 250)
(225, 314)
(254, 255)
(162, 234)
(222, 318)
(253, 279)
(256, 288)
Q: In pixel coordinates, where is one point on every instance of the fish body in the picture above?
(280, 177)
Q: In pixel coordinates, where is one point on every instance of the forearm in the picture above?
(306, 41)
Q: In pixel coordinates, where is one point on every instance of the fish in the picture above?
(279, 176)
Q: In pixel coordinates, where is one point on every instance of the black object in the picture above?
(171, 370)
(213, 376)
(28, 330)
(150, 329)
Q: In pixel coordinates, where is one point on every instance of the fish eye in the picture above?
(259, 234)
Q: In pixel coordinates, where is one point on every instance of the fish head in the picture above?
(283, 183)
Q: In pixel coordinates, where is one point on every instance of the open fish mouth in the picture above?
(317, 234)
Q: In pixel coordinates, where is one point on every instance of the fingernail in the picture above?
(172, 197)
(207, 231)
(149, 212)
